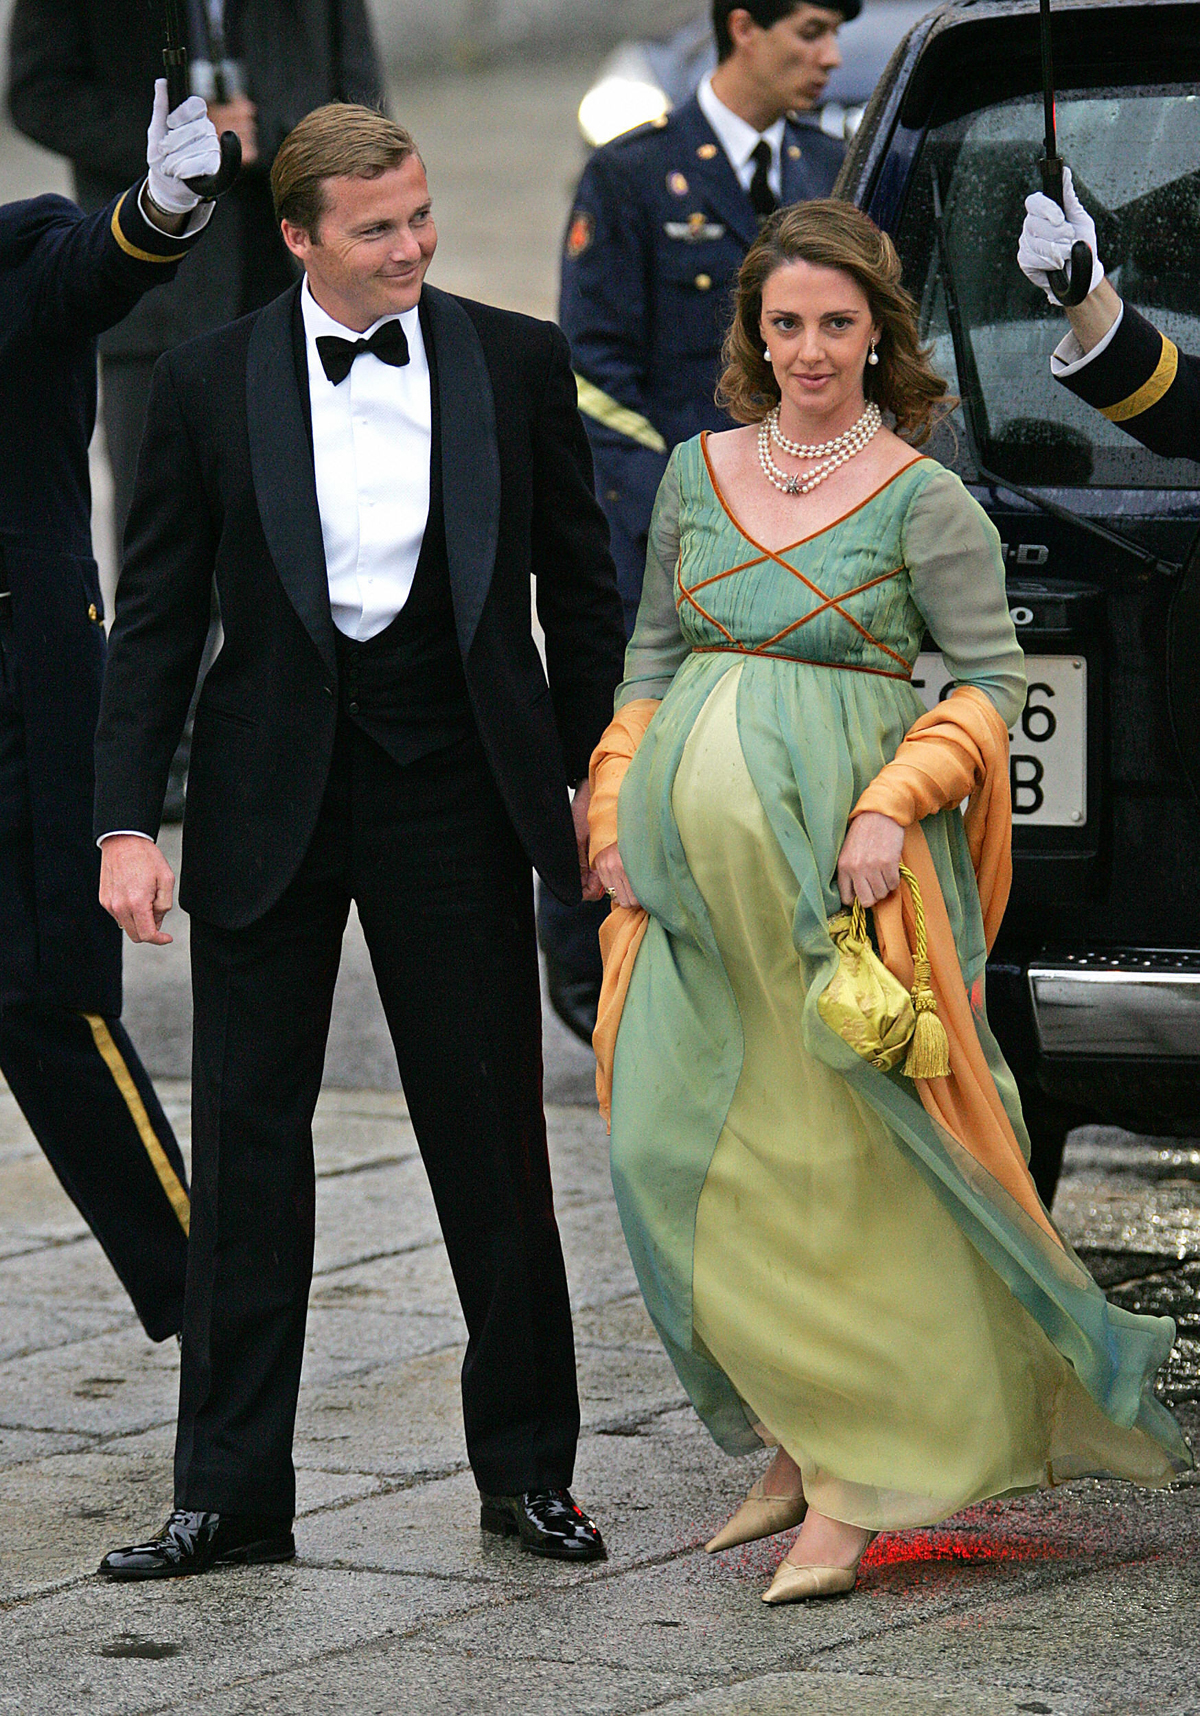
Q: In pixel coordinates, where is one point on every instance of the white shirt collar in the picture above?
(318, 321)
(737, 138)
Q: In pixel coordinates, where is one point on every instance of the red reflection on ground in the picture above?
(897, 1549)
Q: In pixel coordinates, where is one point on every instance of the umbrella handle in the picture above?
(1070, 286)
(209, 186)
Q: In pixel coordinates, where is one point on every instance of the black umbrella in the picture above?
(1070, 286)
(207, 185)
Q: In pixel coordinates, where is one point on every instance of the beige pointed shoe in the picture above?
(793, 1584)
(759, 1516)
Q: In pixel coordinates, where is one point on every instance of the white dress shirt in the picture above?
(740, 140)
(372, 436)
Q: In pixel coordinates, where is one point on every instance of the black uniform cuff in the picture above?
(1131, 374)
(136, 236)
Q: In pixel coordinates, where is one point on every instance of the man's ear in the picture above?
(741, 26)
(296, 239)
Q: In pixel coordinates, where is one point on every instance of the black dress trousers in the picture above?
(444, 895)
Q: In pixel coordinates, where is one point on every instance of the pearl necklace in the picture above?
(834, 453)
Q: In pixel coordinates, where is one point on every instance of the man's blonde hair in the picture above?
(342, 140)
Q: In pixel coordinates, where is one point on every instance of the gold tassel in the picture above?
(929, 1050)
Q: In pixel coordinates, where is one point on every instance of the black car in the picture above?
(1094, 985)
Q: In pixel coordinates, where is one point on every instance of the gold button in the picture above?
(703, 282)
(707, 151)
(659, 122)
(793, 152)
(92, 614)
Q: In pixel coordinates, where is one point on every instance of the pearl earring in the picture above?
(872, 355)
(767, 353)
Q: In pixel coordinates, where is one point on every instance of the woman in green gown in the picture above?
(831, 1272)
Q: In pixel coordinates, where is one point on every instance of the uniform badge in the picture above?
(696, 229)
(580, 234)
(707, 151)
(677, 184)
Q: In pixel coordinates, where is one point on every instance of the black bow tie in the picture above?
(388, 343)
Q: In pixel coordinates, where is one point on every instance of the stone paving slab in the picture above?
(849, 1695)
(418, 1679)
(126, 1649)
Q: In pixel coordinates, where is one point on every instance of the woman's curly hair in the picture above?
(832, 234)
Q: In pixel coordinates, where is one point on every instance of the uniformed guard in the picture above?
(1112, 358)
(64, 278)
(660, 224)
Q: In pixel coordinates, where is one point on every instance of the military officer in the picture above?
(660, 224)
(64, 278)
(1112, 358)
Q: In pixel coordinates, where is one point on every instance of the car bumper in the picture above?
(1131, 1006)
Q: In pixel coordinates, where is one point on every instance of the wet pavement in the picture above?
(1078, 1602)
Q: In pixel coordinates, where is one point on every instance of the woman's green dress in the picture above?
(827, 1268)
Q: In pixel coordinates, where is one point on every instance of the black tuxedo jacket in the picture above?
(226, 484)
(64, 278)
(81, 82)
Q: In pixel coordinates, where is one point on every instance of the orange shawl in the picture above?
(957, 751)
(623, 929)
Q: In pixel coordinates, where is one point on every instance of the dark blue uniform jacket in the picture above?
(657, 234)
(64, 277)
(1144, 383)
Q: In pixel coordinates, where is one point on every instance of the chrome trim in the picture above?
(1122, 1006)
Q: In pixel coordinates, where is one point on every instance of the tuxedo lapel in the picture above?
(281, 461)
(712, 178)
(470, 459)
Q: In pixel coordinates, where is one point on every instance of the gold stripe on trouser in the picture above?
(603, 409)
(1150, 392)
(113, 1059)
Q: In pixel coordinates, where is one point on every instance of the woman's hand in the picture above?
(869, 862)
(611, 871)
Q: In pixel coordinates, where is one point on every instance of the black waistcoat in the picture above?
(406, 686)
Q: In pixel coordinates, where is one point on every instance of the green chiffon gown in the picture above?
(828, 1269)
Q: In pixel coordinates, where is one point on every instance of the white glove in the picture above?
(179, 146)
(1048, 234)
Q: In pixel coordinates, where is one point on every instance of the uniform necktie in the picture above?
(388, 343)
(762, 198)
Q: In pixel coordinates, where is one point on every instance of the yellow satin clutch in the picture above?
(872, 1011)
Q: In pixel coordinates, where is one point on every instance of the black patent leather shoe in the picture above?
(194, 1542)
(548, 1522)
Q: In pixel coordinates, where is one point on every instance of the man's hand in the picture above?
(239, 115)
(179, 146)
(869, 862)
(137, 886)
(1048, 234)
(593, 888)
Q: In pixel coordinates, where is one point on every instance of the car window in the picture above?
(1135, 156)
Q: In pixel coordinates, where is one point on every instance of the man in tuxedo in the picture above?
(64, 278)
(373, 470)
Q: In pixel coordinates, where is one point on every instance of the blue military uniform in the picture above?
(657, 234)
(64, 277)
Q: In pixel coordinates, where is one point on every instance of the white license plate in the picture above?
(1048, 760)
